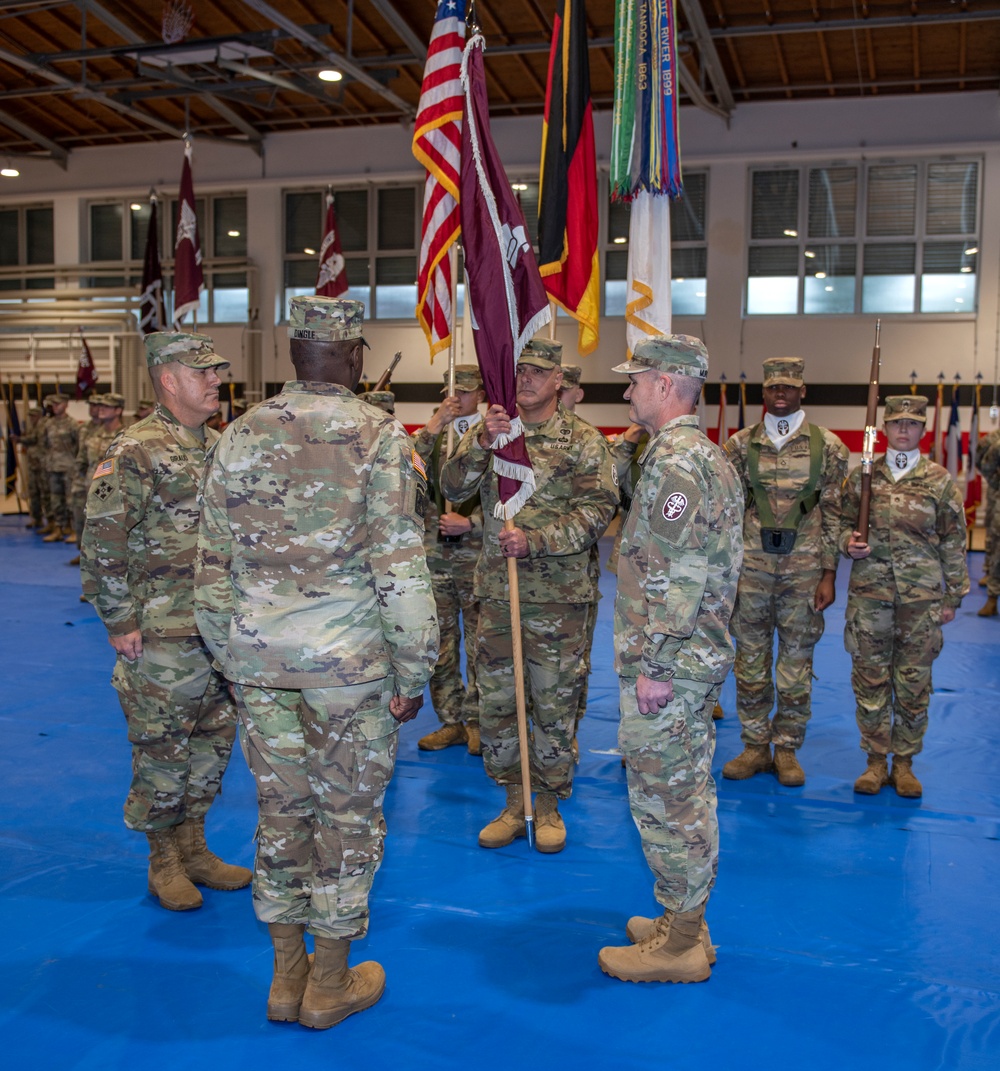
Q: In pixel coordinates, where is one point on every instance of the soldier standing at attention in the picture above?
(137, 561)
(90, 453)
(792, 472)
(453, 538)
(314, 596)
(907, 581)
(988, 463)
(79, 482)
(677, 576)
(572, 505)
(60, 436)
(38, 481)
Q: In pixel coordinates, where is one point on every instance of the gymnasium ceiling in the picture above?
(79, 73)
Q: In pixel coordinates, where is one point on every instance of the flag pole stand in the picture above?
(522, 714)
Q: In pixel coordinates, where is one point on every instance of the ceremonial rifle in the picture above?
(386, 376)
(871, 431)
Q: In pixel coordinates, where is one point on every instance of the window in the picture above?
(379, 234)
(26, 238)
(688, 251)
(117, 234)
(875, 238)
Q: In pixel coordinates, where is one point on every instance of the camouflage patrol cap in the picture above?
(788, 370)
(905, 407)
(34, 410)
(381, 399)
(545, 353)
(112, 400)
(467, 377)
(323, 319)
(55, 396)
(146, 403)
(680, 355)
(194, 351)
(571, 375)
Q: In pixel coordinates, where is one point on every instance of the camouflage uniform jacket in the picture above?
(574, 500)
(916, 532)
(311, 570)
(988, 458)
(431, 449)
(783, 474)
(141, 533)
(33, 441)
(682, 546)
(60, 437)
(94, 443)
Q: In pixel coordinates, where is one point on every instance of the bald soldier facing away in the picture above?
(681, 549)
(314, 597)
(137, 565)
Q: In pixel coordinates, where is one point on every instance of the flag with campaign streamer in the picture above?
(86, 370)
(567, 195)
(151, 316)
(645, 156)
(189, 280)
(505, 297)
(332, 278)
(437, 144)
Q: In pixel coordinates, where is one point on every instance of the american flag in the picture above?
(437, 141)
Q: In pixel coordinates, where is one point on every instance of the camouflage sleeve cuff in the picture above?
(656, 671)
(953, 602)
(122, 628)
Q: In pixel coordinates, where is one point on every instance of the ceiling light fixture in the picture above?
(329, 76)
(9, 171)
(619, 241)
(519, 186)
(135, 206)
(791, 233)
(233, 234)
(309, 252)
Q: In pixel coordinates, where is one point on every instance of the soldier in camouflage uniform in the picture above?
(570, 509)
(94, 443)
(792, 472)
(315, 598)
(144, 408)
(38, 479)
(137, 561)
(677, 577)
(78, 482)
(907, 580)
(988, 463)
(60, 436)
(453, 538)
(381, 399)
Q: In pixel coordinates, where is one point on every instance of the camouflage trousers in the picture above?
(181, 725)
(766, 602)
(78, 507)
(322, 759)
(553, 637)
(892, 646)
(581, 708)
(453, 701)
(59, 498)
(991, 563)
(38, 494)
(671, 791)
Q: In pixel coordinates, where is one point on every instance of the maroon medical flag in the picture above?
(332, 278)
(86, 370)
(151, 317)
(189, 280)
(504, 293)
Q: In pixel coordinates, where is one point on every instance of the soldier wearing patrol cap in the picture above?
(453, 538)
(792, 472)
(90, 453)
(907, 580)
(677, 577)
(381, 399)
(60, 437)
(571, 393)
(569, 510)
(334, 591)
(38, 480)
(144, 408)
(137, 562)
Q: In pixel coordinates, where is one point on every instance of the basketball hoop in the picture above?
(177, 20)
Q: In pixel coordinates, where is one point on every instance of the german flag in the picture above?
(567, 200)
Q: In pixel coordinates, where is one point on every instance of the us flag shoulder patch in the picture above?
(105, 468)
(418, 463)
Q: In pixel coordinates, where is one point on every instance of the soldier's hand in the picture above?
(947, 615)
(496, 422)
(856, 549)
(825, 590)
(128, 646)
(454, 524)
(445, 414)
(513, 543)
(653, 695)
(633, 433)
(403, 709)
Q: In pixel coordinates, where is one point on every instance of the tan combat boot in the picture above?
(902, 778)
(71, 538)
(874, 778)
(204, 867)
(334, 991)
(446, 736)
(638, 928)
(754, 759)
(508, 824)
(787, 769)
(550, 832)
(989, 608)
(167, 878)
(717, 712)
(673, 952)
(291, 971)
(474, 741)
(57, 535)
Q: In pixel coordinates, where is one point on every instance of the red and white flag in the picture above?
(332, 278)
(86, 370)
(437, 143)
(189, 280)
(504, 294)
